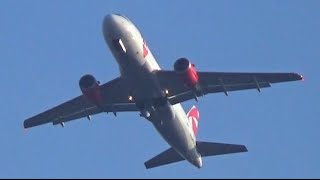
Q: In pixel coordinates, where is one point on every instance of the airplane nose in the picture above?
(112, 20)
(111, 25)
(116, 26)
(109, 20)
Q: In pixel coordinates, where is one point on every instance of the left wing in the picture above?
(115, 99)
(215, 82)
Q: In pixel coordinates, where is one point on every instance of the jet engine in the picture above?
(187, 72)
(91, 89)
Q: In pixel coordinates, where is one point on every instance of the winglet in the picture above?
(302, 78)
(25, 125)
(298, 76)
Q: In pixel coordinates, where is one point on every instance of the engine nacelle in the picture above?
(91, 89)
(187, 72)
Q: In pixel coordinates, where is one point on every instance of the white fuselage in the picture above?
(137, 66)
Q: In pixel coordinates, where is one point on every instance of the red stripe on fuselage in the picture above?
(145, 49)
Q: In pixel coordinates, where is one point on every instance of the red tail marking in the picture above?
(145, 49)
(193, 116)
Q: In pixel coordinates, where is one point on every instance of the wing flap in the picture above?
(62, 111)
(125, 107)
(244, 78)
(188, 95)
(235, 87)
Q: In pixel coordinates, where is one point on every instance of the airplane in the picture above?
(156, 94)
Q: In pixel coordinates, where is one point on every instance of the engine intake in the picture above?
(87, 82)
(182, 65)
(91, 89)
(187, 72)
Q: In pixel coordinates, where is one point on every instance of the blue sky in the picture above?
(46, 46)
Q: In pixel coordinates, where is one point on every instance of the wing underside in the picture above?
(217, 82)
(115, 93)
(115, 98)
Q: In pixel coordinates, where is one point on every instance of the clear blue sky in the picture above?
(46, 46)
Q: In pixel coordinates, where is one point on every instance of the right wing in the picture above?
(216, 82)
(115, 99)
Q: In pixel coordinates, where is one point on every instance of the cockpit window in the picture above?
(119, 46)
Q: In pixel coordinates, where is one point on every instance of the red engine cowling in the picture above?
(187, 72)
(91, 89)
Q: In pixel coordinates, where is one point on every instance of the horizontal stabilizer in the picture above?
(212, 149)
(167, 157)
(204, 148)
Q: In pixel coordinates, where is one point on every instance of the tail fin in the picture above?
(193, 116)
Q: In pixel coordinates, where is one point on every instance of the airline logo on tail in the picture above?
(193, 116)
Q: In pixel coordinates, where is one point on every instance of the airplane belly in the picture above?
(136, 64)
(169, 120)
(169, 124)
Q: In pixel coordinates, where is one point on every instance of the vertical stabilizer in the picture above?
(193, 116)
